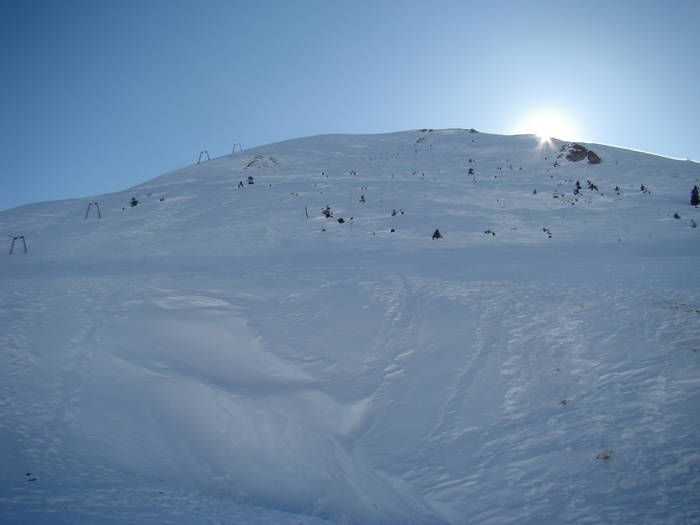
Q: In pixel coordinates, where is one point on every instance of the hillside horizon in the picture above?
(591, 143)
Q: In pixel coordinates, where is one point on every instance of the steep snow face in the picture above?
(226, 343)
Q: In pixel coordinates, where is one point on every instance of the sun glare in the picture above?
(549, 124)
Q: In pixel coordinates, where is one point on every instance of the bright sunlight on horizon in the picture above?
(549, 123)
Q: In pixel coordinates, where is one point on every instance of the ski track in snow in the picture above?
(217, 357)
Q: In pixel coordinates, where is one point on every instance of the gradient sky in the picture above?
(99, 95)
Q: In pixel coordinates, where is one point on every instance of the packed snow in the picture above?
(274, 336)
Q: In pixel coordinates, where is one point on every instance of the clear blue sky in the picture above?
(100, 95)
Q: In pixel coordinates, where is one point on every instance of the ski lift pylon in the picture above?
(97, 206)
(205, 152)
(16, 238)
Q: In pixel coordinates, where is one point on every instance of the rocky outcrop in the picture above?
(575, 153)
(593, 158)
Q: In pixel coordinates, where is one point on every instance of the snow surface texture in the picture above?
(213, 355)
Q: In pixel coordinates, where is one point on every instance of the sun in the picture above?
(549, 124)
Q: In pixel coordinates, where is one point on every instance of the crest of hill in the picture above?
(384, 191)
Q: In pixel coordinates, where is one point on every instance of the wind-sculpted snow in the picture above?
(216, 355)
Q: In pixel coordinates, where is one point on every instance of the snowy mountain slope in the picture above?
(218, 346)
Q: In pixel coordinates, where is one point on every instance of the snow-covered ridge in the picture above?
(227, 343)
